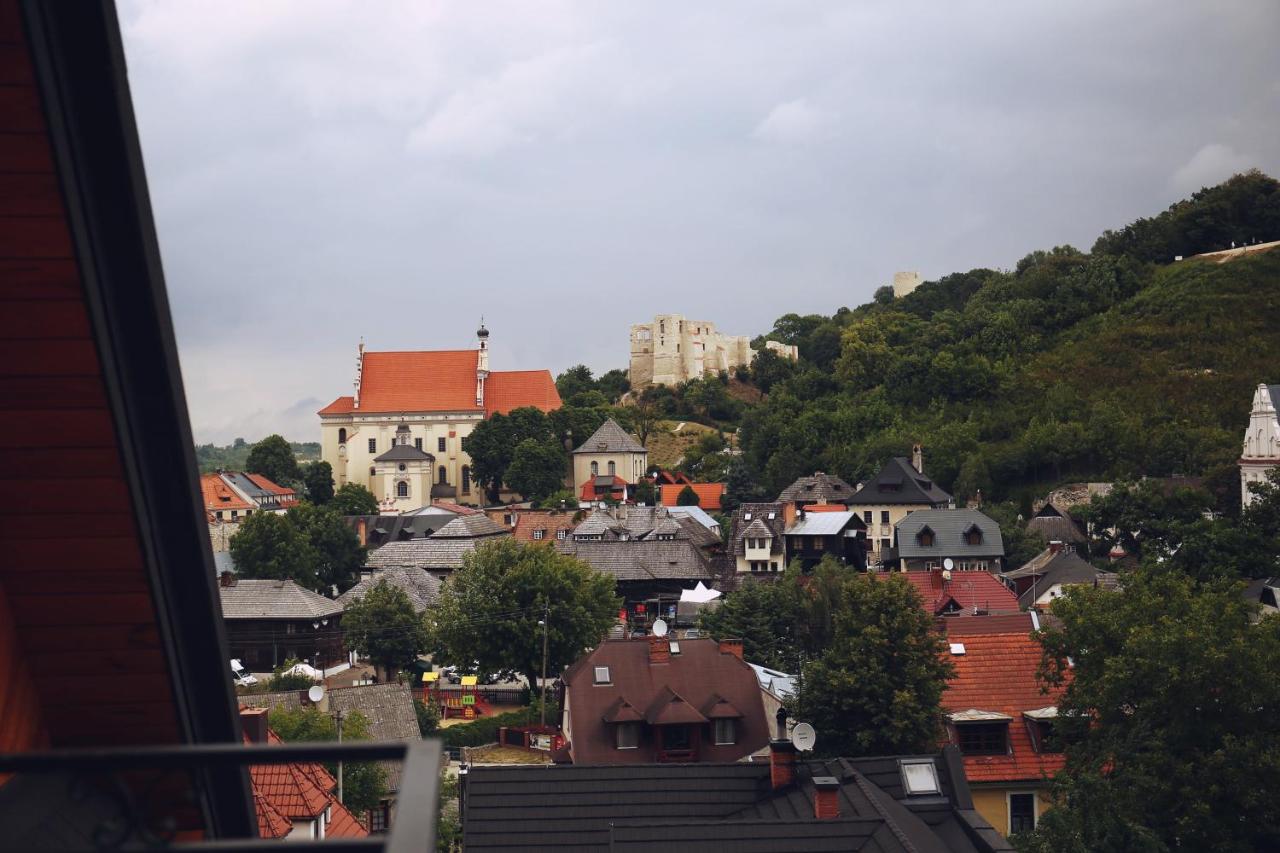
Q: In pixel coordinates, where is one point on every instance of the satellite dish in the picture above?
(948, 564)
(315, 693)
(804, 737)
(660, 628)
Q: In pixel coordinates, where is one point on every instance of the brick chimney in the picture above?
(1055, 547)
(227, 579)
(659, 650)
(782, 755)
(826, 797)
(253, 722)
(362, 531)
(731, 647)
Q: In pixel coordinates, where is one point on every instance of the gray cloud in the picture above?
(326, 170)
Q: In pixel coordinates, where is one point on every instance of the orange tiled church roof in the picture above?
(442, 381)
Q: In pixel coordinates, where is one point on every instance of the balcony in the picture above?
(181, 797)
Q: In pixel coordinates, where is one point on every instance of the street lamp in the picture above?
(546, 617)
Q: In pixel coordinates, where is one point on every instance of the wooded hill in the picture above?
(1100, 365)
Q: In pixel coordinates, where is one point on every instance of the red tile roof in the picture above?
(709, 494)
(284, 792)
(825, 508)
(526, 522)
(219, 496)
(997, 672)
(457, 509)
(590, 491)
(965, 589)
(442, 381)
(268, 486)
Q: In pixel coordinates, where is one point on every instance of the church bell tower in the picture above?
(482, 362)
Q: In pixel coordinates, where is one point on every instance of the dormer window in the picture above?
(973, 536)
(983, 738)
(562, 534)
(1040, 728)
(925, 537)
(538, 534)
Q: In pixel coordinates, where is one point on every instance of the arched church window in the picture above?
(466, 478)
(613, 469)
(402, 489)
(342, 435)
(444, 476)
(595, 468)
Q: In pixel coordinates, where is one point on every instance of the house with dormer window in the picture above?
(756, 538)
(662, 699)
(900, 487)
(926, 539)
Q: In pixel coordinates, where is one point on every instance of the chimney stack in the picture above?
(253, 722)
(227, 579)
(1055, 547)
(782, 755)
(826, 797)
(731, 647)
(362, 531)
(917, 458)
(659, 650)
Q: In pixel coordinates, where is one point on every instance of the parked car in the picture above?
(240, 676)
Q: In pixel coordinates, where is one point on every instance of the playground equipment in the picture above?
(467, 702)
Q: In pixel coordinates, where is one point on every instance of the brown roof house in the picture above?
(756, 541)
(1055, 524)
(661, 699)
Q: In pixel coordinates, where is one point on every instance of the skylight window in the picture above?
(602, 675)
(746, 516)
(675, 647)
(957, 648)
(919, 777)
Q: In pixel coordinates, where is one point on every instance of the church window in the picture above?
(373, 445)
(402, 466)
(613, 469)
(342, 435)
(373, 471)
(595, 468)
(466, 479)
(662, 327)
(440, 444)
(402, 489)
(444, 476)
(417, 442)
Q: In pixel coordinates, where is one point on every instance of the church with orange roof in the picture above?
(400, 434)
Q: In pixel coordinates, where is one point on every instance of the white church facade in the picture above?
(1261, 450)
(400, 434)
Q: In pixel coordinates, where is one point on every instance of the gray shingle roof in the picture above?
(746, 514)
(819, 487)
(949, 527)
(470, 526)
(899, 483)
(268, 599)
(641, 559)
(404, 453)
(1054, 524)
(422, 588)
(1064, 567)
(610, 438)
(388, 707)
(434, 554)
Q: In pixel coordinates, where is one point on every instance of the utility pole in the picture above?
(337, 721)
(546, 624)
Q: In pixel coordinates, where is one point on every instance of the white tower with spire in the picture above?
(1261, 451)
(482, 362)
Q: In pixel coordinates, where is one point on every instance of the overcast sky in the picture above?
(322, 170)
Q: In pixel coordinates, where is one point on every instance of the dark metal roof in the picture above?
(404, 453)
(706, 807)
(899, 483)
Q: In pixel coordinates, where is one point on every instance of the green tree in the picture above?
(1019, 545)
(364, 783)
(613, 385)
(318, 480)
(1167, 718)
(537, 468)
(338, 554)
(560, 498)
(492, 443)
(354, 499)
(273, 458)
(766, 617)
(384, 626)
(688, 497)
(269, 546)
(428, 714)
(645, 493)
(574, 381)
(877, 688)
(506, 587)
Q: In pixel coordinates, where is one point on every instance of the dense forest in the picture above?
(1114, 363)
